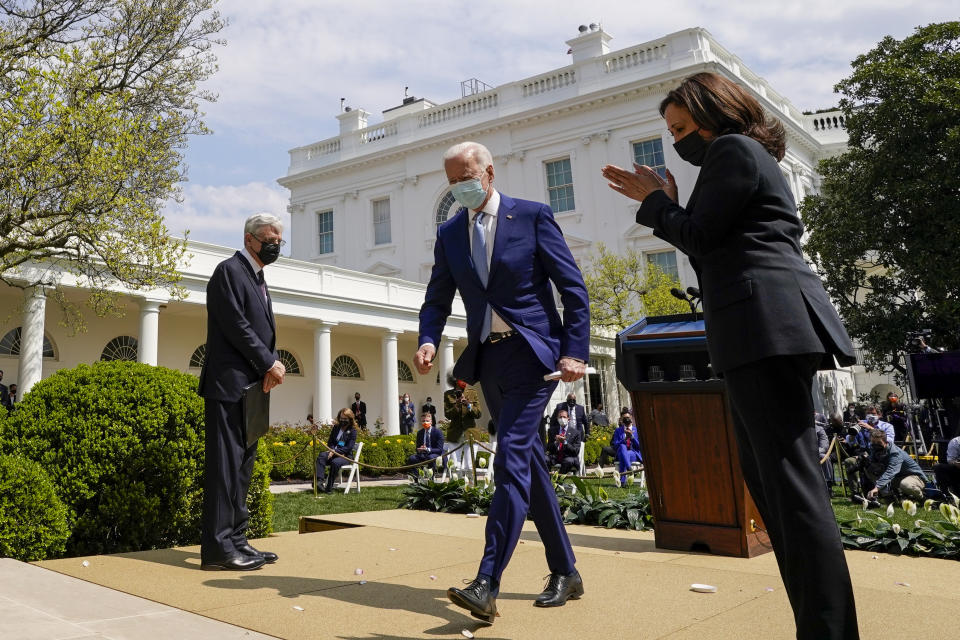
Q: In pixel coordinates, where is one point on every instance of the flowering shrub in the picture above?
(938, 537)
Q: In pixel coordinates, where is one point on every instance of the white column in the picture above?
(390, 406)
(323, 384)
(445, 360)
(149, 340)
(31, 340)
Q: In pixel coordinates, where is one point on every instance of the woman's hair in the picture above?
(346, 413)
(722, 106)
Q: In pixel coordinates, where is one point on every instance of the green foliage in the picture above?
(388, 451)
(33, 520)
(938, 538)
(290, 451)
(288, 507)
(885, 228)
(123, 445)
(623, 288)
(452, 496)
(97, 100)
(259, 498)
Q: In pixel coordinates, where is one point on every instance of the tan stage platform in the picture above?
(409, 558)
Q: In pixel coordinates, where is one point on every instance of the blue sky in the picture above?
(287, 63)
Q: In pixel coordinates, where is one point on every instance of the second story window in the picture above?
(667, 261)
(325, 228)
(381, 221)
(650, 153)
(560, 185)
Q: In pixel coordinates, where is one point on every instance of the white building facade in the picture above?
(364, 210)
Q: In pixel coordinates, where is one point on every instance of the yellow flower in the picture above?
(292, 442)
(278, 444)
(373, 444)
(386, 442)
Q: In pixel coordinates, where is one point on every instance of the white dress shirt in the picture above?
(253, 263)
(492, 207)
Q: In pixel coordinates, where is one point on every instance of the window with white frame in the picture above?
(560, 185)
(381, 221)
(650, 153)
(447, 206)
(667, 261)
(325, 231)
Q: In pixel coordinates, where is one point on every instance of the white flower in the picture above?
(598, 472)
(928, 504)
(630, 480)
(896, 528)
(482, 463)
(951, 513)
(910, 507)
(616, 478)
(919, 523)
(890, 510)
(454, 476)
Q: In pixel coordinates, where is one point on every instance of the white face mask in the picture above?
(563, 422)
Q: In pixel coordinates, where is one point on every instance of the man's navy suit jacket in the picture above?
(434, 444)
(241, 332)
(528, 252)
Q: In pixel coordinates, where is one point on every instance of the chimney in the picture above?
(352, 120)
(592, 42)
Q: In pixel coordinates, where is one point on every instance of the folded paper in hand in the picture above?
(256, 412)
(556, 374)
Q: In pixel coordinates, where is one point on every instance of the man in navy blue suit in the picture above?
(429, 442)
(501, 254)
(241, 350)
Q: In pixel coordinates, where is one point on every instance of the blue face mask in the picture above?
(469, 193)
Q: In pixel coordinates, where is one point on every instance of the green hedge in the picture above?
(33, 520)
(123, 445)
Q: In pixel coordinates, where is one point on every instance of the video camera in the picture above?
(917, 340)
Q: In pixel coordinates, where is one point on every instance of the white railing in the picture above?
(460, 109)
(378, 132)
(642, 54)
(827, 121)
(549, 82)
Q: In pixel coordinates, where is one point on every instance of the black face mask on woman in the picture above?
(692, 148)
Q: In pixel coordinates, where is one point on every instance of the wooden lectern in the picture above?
(697, 493)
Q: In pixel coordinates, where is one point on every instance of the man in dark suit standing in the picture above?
(4, 395)
(241, 349)
(359, 408)
(502, 255)
(576, 415)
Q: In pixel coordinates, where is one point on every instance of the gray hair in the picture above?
(259, 220)
(470, 149)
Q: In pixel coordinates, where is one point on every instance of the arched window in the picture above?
(122, 348)
(290, 362)
(345, 367)
(447, 207)
(404, 374)
(10, 344)
(199, 357)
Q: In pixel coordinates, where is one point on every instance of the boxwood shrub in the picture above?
(123, 444)
(33, 520)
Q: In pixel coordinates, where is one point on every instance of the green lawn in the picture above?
(288, 507)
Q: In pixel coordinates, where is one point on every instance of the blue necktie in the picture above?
(480, 264)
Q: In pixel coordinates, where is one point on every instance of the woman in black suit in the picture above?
(343, 436)
(770, 325)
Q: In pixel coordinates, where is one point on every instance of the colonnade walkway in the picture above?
(382, 575)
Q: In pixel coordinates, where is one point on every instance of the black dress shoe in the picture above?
(475, 598)
(269, 557)
(235, 562)
(559, 588)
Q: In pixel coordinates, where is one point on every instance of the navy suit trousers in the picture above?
(511, 376)
(226, 479)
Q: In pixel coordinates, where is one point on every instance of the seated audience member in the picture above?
(609, 453)
(576, 415)
(901, 476)
(627, 446)
(429, 443)
(597, 417)
(823, 445)
(343, 436)
(564, 446)
(947, 473)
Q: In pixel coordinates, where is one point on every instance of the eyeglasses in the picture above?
(279, 242)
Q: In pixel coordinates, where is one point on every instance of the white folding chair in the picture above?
(354, 470)
(637, 467)
(583, 446)
(485, 473)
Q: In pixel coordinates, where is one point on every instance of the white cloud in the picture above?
(216, 213)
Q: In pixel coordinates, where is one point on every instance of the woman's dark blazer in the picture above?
(741, 231)
(349, 440)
